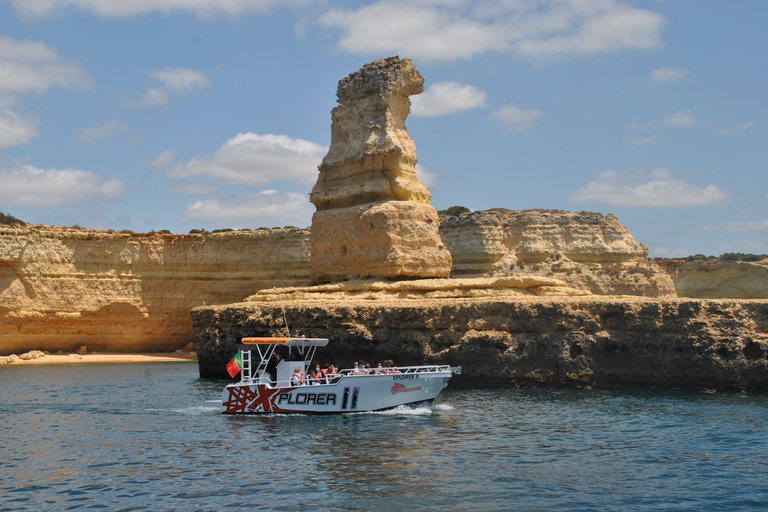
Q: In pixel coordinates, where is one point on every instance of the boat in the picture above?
(266, 388)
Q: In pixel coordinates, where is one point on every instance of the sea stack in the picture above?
(373, 217)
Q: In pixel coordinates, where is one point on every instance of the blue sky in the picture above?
(181, 114)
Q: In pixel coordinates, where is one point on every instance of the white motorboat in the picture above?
(273, 388)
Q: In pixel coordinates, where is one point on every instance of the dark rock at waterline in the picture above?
(595, 342)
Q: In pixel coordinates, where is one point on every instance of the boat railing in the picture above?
(264, 379)
(399, 369)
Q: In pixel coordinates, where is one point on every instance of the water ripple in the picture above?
(138, 438)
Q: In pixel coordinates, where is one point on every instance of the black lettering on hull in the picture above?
(307, 399)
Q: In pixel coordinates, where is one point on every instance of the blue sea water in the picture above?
(136, 437)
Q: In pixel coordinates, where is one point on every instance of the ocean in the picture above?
(137, 437)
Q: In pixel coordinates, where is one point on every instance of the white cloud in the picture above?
(680, 119)
(37, 188)
(94, 133)
(741, 127)
(738, 227)
(165, 161)
(34, 9)
(419, 31)
(267, 208)
(32, 66)
(655, 189)
(667, 75)
(641, 141)
(253, 159)
(686, 119)
(193, 190)
(516, 120)
(173, 81)
(543, 31)
(443, 98)
(426, 176)
(593, 28)
(15, 129)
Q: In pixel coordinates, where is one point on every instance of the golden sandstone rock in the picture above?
(588, 251)
(61, 288)
(373, 217)
(713, 279)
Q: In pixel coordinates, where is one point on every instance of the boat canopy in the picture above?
(290, 342)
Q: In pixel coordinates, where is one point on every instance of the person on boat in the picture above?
(314, 377)
(274, 360)
(330, 373)
(359, 369)
(323, 374)
(389, 367)
(297, 378)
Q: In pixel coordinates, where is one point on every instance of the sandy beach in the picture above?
(107, 358)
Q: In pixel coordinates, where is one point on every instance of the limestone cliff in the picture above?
(586, 342)
(717, 279)
(61, 288)
(588, 251)
(373, 217)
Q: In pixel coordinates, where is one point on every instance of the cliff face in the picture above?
(589, 251)
(716, 279)
(597, 342)
(61, 288)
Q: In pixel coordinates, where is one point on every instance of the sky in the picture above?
(209, 114)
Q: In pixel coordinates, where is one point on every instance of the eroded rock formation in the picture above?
(373, 217)
(587, 251)
(717, 279)
(586, 342)
(61, 288)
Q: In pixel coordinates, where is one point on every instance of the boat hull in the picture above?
(350, 393)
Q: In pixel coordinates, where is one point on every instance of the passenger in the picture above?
(272, 365)
(390, 366)
(359, 369)
(329, 373)
(315, 376)
(367, 370)
(297, 378)
(322, 374)
(379, 369)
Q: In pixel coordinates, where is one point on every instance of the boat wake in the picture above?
(407, 410)
(195, 410)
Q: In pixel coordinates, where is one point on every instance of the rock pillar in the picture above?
(373, 217)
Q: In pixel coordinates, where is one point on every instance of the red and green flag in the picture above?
(234, 366)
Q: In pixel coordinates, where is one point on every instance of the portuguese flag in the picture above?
(233, 367)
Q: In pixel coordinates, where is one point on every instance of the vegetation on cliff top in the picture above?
(7, 219)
